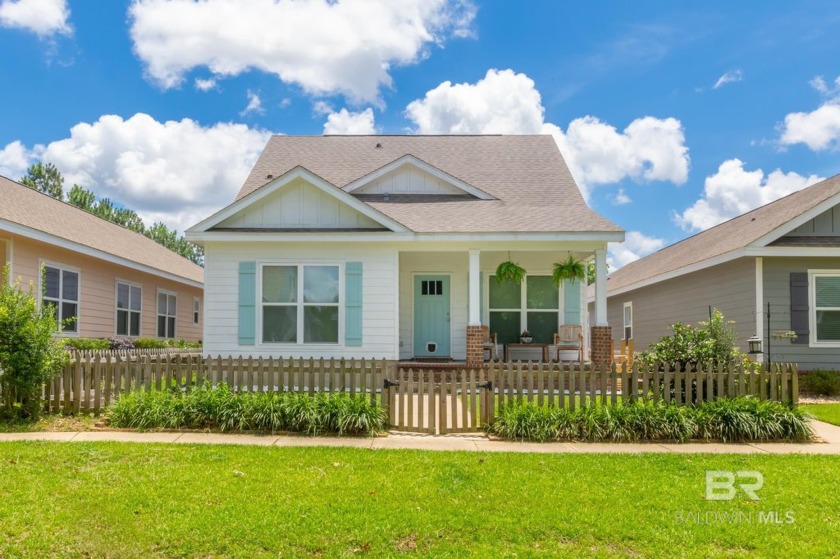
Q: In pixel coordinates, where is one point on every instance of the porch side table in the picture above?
(543, 347)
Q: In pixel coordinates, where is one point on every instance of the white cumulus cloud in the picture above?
(175, 171)
(635, 246)
(346, 122)
(14, 159)
(324, 46)
(42, 17)
(505, 102)
(203, 84)
(818, 129)
(733, 190)
(730, 76)
(254, 104)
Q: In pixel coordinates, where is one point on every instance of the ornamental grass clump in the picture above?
(208, 407)
(727, 420)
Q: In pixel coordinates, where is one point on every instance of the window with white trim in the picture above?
(628, 321)
(825, 308)
(129, 304)
(61, 291)
(196, 310)
(300, 304)
(167, 310)
(533, 305)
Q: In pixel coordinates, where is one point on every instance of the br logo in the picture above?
(723, 485)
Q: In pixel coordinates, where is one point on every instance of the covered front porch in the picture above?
(453, 311)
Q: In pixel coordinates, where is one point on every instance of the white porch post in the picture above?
(475, 289)
(601, 287)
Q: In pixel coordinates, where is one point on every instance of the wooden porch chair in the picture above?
(490, 344)
(569, 337)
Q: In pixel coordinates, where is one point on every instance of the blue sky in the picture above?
(671, 116)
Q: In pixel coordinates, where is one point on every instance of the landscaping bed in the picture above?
(153, 500)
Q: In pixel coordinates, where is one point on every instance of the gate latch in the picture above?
(488, 385)
(390, 383)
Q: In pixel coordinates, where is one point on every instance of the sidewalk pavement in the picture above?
(472, 442)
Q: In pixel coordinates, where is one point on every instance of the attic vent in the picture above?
(378, 145)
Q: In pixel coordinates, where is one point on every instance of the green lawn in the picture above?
(130, 500)
(830, 413)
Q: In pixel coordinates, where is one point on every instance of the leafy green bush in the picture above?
(87, 344)
(825, 383)
(726, 419)
(150, 343)
(709, 343)
(220, 408)
(30, 354)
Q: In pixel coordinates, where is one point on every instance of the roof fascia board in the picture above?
(60, 242)
(280, 182)
(369, 236)
(803, 252)
(801, 219)
(409, 159)
(697, 266)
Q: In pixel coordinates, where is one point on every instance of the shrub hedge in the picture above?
(103, 344)
(726, 419)
(221, 408)
(822, 383)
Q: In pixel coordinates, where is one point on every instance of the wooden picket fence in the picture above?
(428, 401)
(93, 380)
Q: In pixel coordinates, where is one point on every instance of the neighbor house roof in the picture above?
(530, 185)
(32, 214)
(737, 233)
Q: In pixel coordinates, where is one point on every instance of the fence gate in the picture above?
(438, 402)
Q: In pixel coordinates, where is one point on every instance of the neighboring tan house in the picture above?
(112, 281)
(786, 253)
(386, 247)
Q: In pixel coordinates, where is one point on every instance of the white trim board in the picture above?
(375, 237)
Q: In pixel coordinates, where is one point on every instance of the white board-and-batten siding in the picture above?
(379, 296)
(300, 205)
(408, 179)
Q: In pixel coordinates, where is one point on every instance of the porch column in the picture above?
(600, 332)
(475, 332)
(601, 288)
(475, 289)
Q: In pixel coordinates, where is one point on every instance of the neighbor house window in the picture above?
(628, 321)
(196, 310)
(300, 304)
(825, 289)
(166, 313)
(533, 305)
(129, 301)
(61, 291)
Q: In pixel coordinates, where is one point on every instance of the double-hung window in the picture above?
(196, 310)
(628, 321)
(825, 313)
(300, 304)
(167, 310)
(533, 305)
(61, 291)
(129, 302)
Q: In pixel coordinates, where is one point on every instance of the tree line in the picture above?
(46, 178)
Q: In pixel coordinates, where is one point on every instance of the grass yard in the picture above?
(830, 413)
(131, 500)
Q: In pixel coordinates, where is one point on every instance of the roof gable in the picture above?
(410, 175)
(298, 200)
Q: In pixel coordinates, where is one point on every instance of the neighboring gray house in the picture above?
(786, 253)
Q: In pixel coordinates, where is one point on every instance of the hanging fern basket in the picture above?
(510, 271)
(569, 269)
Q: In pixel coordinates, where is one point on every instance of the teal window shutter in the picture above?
(247, 302)
(571, 302)
(353, 304)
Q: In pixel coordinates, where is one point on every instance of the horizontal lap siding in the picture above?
(379, 279)
(98, 290)
(729, 287)
(777, 291)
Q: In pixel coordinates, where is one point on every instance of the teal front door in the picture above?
(431, 316)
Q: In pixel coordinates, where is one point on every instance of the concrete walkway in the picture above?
(475, 443)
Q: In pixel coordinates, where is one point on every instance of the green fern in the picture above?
(569, 269)
(510, 271)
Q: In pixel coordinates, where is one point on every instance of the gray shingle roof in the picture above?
(737, 233)
(29, 208)
(533, 188)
